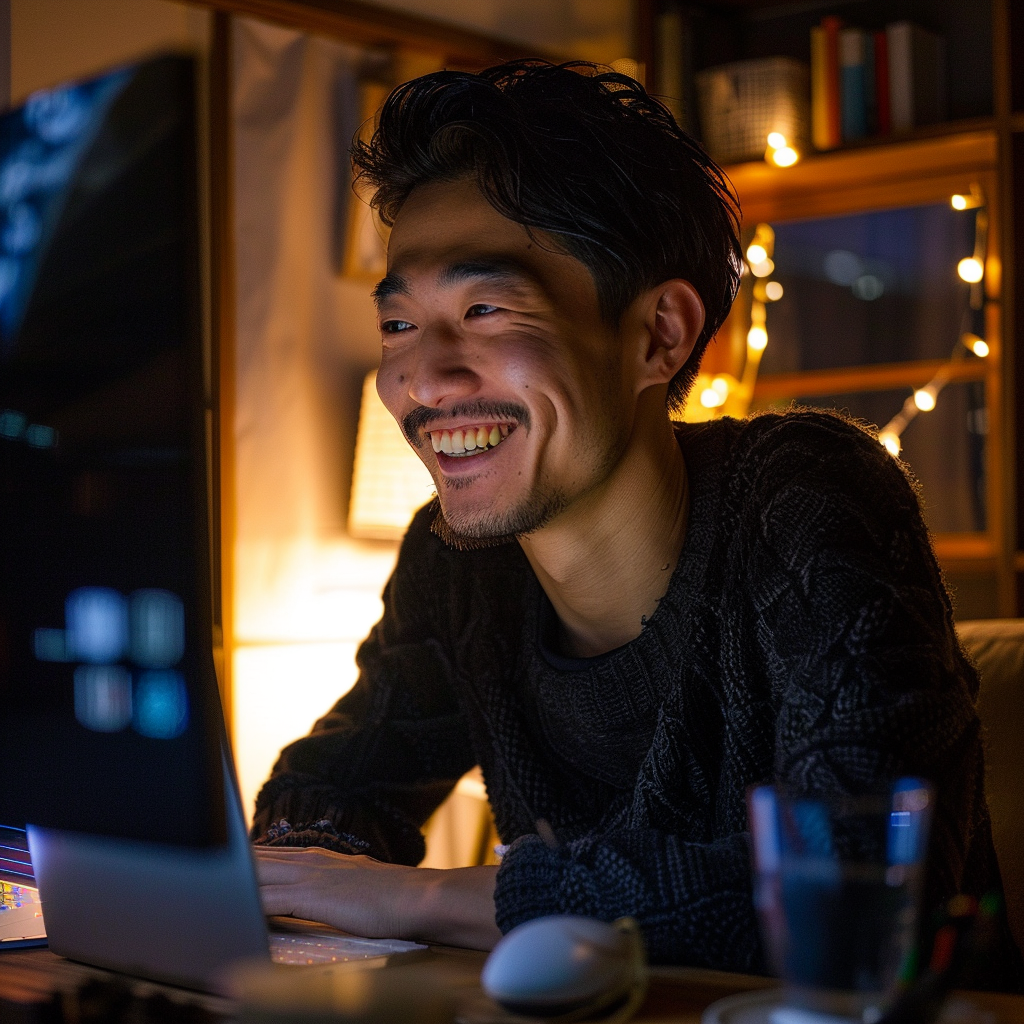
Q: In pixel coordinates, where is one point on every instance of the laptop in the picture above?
(114, 756)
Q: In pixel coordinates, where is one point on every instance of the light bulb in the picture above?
(924, 399)
(776, 140)
(971, 269)
(711, 399)
(721, 387)
(979, 346)
(958, 202)
(756, 253)
(891, 442)
(785, 157)
(773, 291)
(757, 338)
(762, 269)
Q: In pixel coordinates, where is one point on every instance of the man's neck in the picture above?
(606, 562)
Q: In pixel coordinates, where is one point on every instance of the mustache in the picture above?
(421, 417)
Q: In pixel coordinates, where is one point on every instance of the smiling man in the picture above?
(625, 622)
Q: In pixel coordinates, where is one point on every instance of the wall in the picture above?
(55, 40)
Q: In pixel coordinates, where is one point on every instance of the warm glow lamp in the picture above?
(389, 483)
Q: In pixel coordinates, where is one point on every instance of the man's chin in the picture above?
(470, 530)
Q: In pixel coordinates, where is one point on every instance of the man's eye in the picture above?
(481, 309)
(395, 326)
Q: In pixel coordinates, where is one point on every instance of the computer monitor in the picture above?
(110, 721)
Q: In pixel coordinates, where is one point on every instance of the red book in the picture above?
(884, 121)
(834, 105)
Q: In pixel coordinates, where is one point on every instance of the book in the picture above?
(819, 91)
(831, 26)
(853, 84)
(917, 76)
(883, 122)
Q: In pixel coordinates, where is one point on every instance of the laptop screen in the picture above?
(108, 707)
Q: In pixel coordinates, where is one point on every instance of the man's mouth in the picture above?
(470, 440)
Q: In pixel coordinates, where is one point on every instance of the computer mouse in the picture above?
(560, 964)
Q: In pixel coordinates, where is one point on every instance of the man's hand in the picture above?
(367, 897)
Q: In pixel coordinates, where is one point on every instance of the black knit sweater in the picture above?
(805, 637)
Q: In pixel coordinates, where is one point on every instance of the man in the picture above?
(624, 622)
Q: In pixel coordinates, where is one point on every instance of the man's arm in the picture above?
(378, 764)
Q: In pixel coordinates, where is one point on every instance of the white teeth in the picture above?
(463, 441)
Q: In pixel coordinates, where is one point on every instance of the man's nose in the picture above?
(442, 372)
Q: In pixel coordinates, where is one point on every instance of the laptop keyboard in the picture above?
(333, 949)
(21, 913)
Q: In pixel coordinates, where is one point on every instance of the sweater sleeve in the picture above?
(844, 619)
(387, 754)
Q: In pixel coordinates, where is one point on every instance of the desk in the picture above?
(677, 995)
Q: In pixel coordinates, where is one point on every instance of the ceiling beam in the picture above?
(368, 24)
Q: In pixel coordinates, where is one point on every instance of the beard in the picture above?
(468, 532)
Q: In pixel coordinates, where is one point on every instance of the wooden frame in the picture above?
(357, 21)
(885, 177)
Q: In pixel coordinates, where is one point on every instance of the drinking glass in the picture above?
(837, 884)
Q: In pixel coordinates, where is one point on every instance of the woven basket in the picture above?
(741, 103)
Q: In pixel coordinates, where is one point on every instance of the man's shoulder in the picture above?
(775, 448)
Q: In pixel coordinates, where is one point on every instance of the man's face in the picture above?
(497, 364)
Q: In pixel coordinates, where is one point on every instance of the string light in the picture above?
(785, 157)
(773, 291)
(757, 338)
(756, 253)
(763, 269)
(970, 269)
(979, 346)
(891, 442)
(970, 200)
(779, 151)
(924, 398)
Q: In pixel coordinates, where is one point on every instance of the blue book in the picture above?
(853, 83)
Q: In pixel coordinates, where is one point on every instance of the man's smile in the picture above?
(469, 440)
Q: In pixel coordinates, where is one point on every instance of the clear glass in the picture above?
(837, 884)
(869, 288)
(944, 448)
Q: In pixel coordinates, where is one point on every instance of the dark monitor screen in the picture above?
(108, 706)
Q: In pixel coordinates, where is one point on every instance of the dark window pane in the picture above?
(945, 448)
(870, 288)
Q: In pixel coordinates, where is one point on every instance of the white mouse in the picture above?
(555, 965)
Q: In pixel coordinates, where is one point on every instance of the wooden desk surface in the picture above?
(677, 995)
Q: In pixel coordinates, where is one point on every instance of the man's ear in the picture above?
(673, 320)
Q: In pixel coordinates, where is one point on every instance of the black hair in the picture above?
(579, 152)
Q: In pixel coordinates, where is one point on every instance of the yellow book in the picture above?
(819, 91)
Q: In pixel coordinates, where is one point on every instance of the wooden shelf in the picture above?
(853, 180)
(846, 380)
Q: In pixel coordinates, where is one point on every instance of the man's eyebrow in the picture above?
(389, 285)
(500, 271)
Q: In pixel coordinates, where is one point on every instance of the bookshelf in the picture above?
(981, 141)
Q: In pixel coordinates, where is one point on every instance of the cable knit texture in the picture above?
(805, 637)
